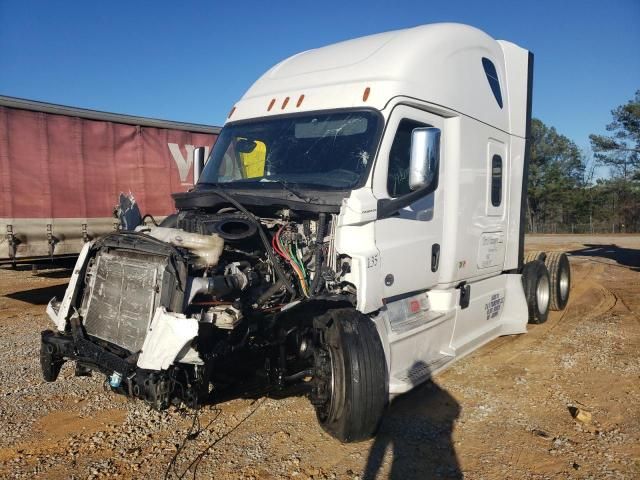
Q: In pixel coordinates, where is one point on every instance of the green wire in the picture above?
(294, 257)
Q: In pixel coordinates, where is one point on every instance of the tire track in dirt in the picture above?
(624, 304)
(497, 345)
(589, 299)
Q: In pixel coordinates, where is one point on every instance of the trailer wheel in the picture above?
(350, 387)
(537, 290)
(560, 273)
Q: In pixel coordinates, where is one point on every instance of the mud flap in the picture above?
(50, 362)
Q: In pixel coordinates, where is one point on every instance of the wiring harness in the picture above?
(289, 249)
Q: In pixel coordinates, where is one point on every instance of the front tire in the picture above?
(537, 290)
(350, 390)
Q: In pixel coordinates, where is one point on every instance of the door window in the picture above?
(399, 157)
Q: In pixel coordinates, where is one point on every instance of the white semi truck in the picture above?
(358, 226)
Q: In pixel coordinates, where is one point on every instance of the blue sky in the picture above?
(192, 60)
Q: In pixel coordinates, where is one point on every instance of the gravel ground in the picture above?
(506, 411)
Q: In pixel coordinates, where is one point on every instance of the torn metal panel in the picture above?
(60, 318)
(190, 356)
(168, 335)
(128, 212)
(53, 308)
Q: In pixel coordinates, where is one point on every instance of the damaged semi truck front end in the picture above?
(234, 283)
(358, 225)
(160, 309)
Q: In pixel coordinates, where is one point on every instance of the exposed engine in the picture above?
(172, 312)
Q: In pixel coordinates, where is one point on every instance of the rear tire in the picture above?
(534, 255)
(560, 273)
(350, 390)
(537, 290)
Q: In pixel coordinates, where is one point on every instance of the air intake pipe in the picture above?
(219, 285)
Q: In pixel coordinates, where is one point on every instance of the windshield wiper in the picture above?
(283, 183)
(287, 186)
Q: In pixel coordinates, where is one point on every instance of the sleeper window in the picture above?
(496, 180)
(399, 157)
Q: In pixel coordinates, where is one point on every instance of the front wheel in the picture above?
(350, 389)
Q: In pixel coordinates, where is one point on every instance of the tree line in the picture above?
(565, 192)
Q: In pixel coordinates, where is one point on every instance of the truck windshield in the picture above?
(327, 150)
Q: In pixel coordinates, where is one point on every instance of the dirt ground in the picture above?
(505, 411)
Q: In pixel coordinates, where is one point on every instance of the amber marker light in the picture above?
(300, 101)
(271, 104)
(366, 93)
(284, 103)
(231, 112)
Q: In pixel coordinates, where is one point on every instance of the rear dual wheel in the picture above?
(546, 279)
(537, 290)
(560, 275)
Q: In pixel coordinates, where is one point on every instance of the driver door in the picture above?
(409, 241)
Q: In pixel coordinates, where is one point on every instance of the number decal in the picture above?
(372, 261)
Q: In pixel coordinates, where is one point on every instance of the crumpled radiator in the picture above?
(124, 292)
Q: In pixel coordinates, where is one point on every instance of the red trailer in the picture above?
(62, 170)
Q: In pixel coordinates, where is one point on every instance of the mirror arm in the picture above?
(389, 207)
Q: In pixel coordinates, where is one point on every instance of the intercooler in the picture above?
(124, 292)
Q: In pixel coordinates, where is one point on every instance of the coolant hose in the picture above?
(267, 245)
(272, 290)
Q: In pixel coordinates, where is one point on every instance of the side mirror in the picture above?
(424, 165)
(425, 155)
(198, 163)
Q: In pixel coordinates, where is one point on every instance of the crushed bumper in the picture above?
(156, 387)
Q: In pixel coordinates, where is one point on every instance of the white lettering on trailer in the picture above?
(184, 164)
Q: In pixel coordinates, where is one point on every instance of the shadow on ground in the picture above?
(39, 296)
(418, 429)
(47, 268)
(628, 257)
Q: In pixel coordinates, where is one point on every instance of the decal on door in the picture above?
(490, 250)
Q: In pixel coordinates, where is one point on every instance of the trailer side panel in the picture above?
(60, 176)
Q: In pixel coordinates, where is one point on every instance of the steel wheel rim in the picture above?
(542, 294)
(332, 385)
(327, 408)
(564, 284)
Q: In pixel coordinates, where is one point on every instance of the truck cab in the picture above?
(358, 225)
